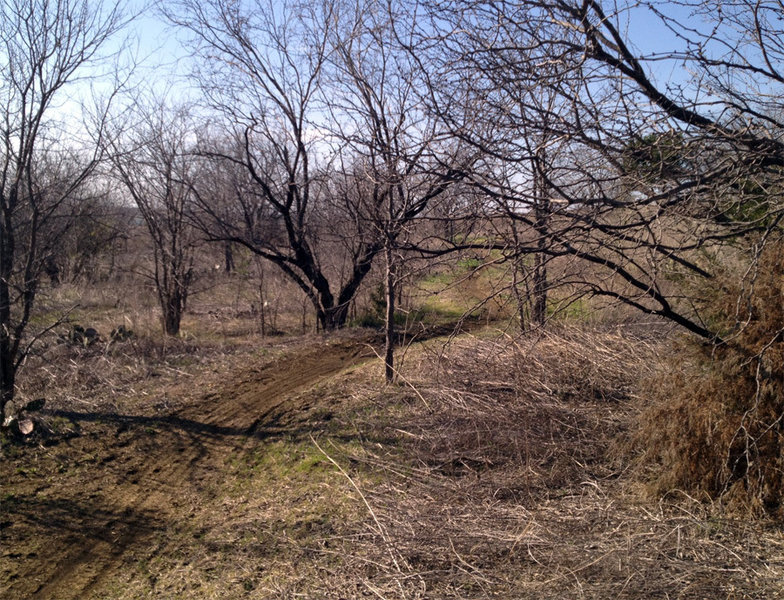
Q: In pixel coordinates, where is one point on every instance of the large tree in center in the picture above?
(309, 97)
(260, 68)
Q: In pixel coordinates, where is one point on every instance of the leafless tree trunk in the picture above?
(389, 317)
(541, 214)
(262, 296)
(152, 160)
(44, 46)
(228, 258)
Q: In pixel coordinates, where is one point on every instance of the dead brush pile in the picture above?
(717, 428)
(496, 479)
(547, 403)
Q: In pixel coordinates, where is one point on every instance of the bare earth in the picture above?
(65, 537)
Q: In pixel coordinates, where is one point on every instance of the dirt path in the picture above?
(128, 486)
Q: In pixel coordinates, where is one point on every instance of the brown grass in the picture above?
(716, 429)
(494, 479)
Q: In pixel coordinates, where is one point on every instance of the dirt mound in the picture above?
(83, 511)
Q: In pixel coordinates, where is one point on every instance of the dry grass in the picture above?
(716, 426)
(495, 480)
(489, 471)
(146, 374)
(222, 322)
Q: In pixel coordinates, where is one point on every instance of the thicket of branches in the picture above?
(46, 169)
(337, 136)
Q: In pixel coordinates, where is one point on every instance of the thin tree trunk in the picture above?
(541, 213)
(7, 358)
(7, 377)
(262, 299)
(389, 330)
(522, 298)
(539, 311)
(228, 257)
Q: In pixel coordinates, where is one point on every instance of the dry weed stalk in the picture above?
(501, 484)
(379, 527)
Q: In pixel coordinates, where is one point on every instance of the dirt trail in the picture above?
(148, 476)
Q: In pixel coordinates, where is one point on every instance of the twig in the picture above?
(381, 530)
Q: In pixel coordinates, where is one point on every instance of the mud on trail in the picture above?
(86, 509)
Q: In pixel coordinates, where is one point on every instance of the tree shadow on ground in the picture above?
(79, 520)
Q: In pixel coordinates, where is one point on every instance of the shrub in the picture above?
(716, 427)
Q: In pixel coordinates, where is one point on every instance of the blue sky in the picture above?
(650, 36)
(163, 62)
(162, 55)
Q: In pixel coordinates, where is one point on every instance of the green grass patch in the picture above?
(574, 311)
(469, 264)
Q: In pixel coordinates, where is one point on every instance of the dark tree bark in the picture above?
(273, 191)
(44, 46)
(228, 258)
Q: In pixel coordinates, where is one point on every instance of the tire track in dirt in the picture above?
(130, 515)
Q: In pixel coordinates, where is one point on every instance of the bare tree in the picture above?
(632, 236)
(88, 250)
(261, 71)
(397, 160)
(44, 46)
(268, 70)
(152, 159)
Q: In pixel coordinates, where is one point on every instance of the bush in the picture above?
(716, 427)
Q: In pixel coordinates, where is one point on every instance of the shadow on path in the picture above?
(125, 422)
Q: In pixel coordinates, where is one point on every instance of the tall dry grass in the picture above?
(716, 429)
(492, 471)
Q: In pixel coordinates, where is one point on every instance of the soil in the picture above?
(84, 509)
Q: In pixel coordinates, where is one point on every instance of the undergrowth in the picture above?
(716, 430)
(496, 480)
(483, 473)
